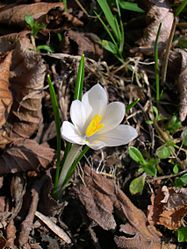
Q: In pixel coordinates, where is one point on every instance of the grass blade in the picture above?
(109, 16)
(156, 59)
(181, 8)
(58, 125)
(80, 79)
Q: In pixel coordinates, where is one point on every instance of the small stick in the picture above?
(56, 229)
(166, 56)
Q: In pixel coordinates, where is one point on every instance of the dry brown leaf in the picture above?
(87, 43)
(5, 94)
(169, 207)
(177, 70)
(102, 198)
(26, 82)
(25, 155)
(159, 12)
(14, 15)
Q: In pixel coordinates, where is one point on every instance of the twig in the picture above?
(168, 47)
(56, 229)
(167, 176)
(26, 225)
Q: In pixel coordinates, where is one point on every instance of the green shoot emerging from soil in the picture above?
(115, 30)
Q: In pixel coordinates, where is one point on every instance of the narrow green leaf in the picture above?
(130, 6)
(45, 48)
(106, 28)
(80, 79)
(58, 125)
(109, 46)
(109, 16)
(132, 104)
(136, 155)
(181, 8)
(137, 185)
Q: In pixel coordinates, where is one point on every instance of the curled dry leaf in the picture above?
(25, 155)
(5, 94)
(158, 12)
(169, 207)
(14, 15)
(102, 198)
(177, 70)
(87, 43)
(27, 75)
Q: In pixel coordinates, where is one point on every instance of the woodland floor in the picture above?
(112, 200)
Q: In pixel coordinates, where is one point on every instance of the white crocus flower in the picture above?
(96, 123)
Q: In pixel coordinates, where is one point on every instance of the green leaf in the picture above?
(80, 80)
(182, 43)
(29, 20)
(150, 167)
(58, 125)
(45, 48)
(109, 46)
(130, 6)
(175, 169)
(181, 8)
(132, 104)
(184, 137)
(137, 185)
(182, 234)
(164, 151)
(109, 16)
(136, 155)
(183, 178)
(178, 183)
(174, 124)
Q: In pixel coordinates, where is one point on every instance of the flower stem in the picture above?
(72, 159)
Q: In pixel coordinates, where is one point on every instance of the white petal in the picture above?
(95, 100)
(78, 115)
(122, 134)
(113, 116)
(71, 134)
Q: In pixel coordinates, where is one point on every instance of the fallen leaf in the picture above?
(158, 12)
(177, 70)
(169, 207)
(87, 43)
(24, 155)
(14, 15)
(102, 199)
(5, 93)
(26, 82)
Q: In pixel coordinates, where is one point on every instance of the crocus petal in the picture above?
(95, 100)
(70, 133)
(78, 115)
(113, 116)
(122, 134)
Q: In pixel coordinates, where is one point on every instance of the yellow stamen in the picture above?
(94, 126)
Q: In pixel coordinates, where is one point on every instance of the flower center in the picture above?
(94, 126)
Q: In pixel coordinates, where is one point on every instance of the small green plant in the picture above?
(34, 25)
(115, 30)
(147, 167)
